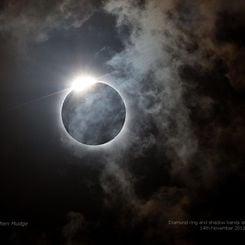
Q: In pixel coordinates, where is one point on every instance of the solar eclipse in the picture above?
(93, 112)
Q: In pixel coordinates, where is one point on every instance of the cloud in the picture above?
(35, 21)
(150, 61)
(181, 70)
(172, 48)
(74, 229)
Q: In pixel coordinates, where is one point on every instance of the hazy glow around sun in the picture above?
(82, 83)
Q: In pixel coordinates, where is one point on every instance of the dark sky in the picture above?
(179, 65)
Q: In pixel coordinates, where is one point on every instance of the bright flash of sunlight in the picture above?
(82, 83)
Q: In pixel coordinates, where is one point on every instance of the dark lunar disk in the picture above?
(94, 116)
